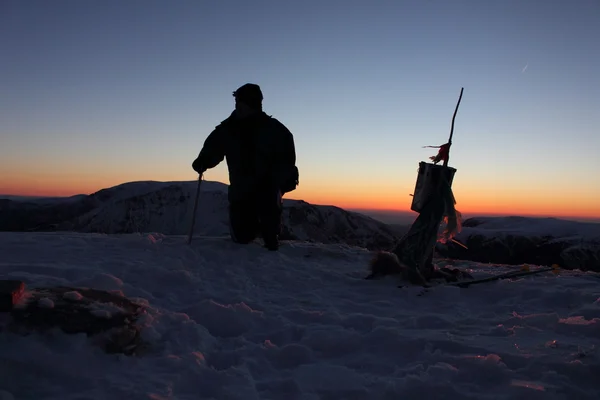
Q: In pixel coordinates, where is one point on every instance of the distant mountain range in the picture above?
(166, 207)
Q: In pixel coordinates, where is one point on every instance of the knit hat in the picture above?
(249, 94)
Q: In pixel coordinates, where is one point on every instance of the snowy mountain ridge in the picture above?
(167, 207)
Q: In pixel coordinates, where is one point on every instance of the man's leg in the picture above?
(243, 221)
(269, 204)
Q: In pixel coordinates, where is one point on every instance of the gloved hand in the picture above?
(198, 167)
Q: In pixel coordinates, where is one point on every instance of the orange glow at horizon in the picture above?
(373, 195)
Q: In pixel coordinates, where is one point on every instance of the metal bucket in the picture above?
(427, 187)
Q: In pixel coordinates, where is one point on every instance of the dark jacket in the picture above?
(260, 153)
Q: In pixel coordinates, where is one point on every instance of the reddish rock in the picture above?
(108, 319)
(11, 292)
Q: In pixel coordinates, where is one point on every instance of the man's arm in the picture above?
(212, 153)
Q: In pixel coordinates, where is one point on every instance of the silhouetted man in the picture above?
(261, 159)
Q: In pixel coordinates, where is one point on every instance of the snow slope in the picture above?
(167, 207)
(493, 227)
(517, 240)
(238, 322)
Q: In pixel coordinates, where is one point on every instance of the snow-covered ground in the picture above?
(561, 229)
(238, 322)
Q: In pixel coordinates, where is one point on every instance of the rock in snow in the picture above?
(107, 318)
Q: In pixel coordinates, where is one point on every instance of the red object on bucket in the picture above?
(442, 154)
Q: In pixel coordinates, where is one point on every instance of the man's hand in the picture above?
(198, 167)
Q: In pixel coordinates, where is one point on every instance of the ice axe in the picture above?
(189, 240)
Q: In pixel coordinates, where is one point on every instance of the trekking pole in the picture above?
(189, 240)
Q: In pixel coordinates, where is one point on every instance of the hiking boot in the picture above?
(272, 243)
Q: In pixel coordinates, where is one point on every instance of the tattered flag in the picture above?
(442, 155)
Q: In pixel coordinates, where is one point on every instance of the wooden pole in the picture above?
(508, 275)
(452, 127)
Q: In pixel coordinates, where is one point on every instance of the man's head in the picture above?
(248, 99)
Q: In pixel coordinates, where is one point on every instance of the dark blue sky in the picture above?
(101, 92)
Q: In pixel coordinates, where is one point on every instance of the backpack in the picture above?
(291, 179)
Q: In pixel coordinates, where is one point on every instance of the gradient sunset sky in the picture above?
(97, 93)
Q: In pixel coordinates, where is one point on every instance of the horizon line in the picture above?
(404, 212)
